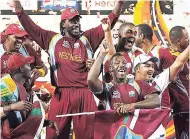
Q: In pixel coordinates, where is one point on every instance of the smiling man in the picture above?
(68, 52)
(121, 94)
(144, 70)
(17, 40)
(127, 33)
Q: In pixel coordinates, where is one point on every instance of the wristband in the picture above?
(42, 72)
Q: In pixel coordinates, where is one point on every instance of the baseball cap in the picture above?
(3, 63)
(17, 60)
(15, 29)
(2, 37)
(69, 13)
(143, 58)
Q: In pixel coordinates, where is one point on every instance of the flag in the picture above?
(138, 124)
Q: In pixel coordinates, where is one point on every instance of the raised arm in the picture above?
(96, 35)
(94, 83)
(41, 36)
(178, 63)
(108, 37)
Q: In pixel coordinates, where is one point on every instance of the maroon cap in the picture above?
(69, 13)
(2, 38)
(3, 62)
(17, 60)
(15, 29)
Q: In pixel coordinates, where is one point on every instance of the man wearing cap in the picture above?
(144, 40)
(17, 40)
(144, 70)
(68, 52)
(122, 94)
(16, 106)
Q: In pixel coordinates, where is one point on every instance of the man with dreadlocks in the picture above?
(68, 54)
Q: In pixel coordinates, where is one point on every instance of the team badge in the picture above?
(76, 45)
(66, 44)
(132, 94)
(4, 63)
(116, 94)
(21, 27)
(72, 10)
(187, 76)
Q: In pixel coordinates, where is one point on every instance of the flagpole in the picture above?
(75, 114)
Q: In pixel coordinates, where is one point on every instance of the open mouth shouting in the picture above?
(129, 42)
(121, 72)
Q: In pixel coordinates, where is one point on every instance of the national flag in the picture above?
(138, 124)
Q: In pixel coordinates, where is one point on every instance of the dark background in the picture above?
(165, 5)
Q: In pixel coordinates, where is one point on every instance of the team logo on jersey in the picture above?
(72, 10)
(116, 94)
(21, 27)
(132, 94)
(4, 64)
(187, 76)
(76, 45)
(66, 44)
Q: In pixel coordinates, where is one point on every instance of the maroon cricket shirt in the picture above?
(125, 93)
(180, 88)
(70, 54)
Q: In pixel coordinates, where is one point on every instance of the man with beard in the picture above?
(127, 34)
(122, 95)
(180, 88)
(68, 54)
(17, 40)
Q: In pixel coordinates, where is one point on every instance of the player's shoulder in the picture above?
(162, 49)
(174, 53)
(140, 83)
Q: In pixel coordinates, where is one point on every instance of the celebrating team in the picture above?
(137, 74)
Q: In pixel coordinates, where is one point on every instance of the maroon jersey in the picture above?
(130, 56)
(125, 93)
(165, 59)
(67, 55)
(180, 87)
